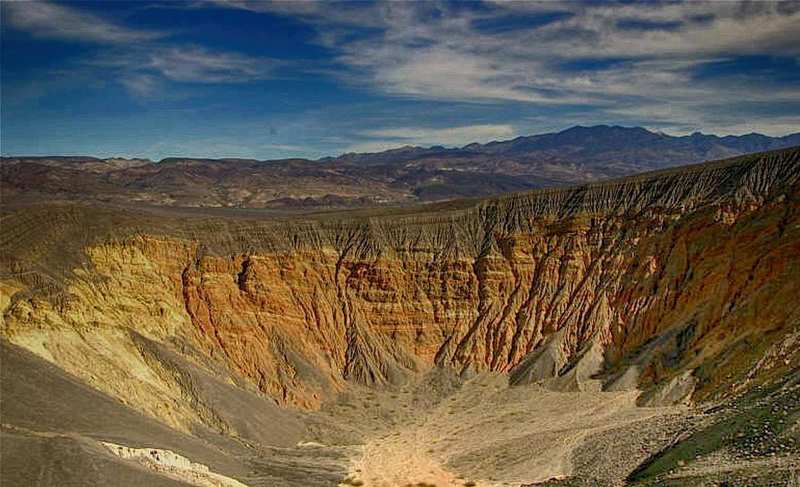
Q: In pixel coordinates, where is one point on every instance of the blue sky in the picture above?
(270, 80)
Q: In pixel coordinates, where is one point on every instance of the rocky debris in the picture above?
(750, 439)
(549, 366)
(605, 457)
(677, 390)
(544, 363)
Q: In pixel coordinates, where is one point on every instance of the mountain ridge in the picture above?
(583, 131)
(791, 138)
(390, 178)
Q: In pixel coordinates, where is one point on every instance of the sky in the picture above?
(268, 80)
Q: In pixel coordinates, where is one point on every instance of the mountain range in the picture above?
(398, 176)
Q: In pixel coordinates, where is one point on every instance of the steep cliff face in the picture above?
(677, 282)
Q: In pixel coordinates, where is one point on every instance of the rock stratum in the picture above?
(250, 329)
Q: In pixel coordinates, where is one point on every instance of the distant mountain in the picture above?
(601, 148)
(403, 175)
(635, 145)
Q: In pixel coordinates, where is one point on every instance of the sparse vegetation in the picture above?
(751, 426)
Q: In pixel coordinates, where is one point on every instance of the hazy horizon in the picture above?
(124, 156)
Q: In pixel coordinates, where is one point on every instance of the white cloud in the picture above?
(50, 20)
(140, 85)
(435, 51)
(701, 29)
(372, 146)
(469, 77)
(350, 13)
(446, 136)
(195, 64)
(388, 138)
(144, 72)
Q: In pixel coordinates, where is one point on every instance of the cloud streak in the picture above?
(145, 72)
(52, 21)
(141, 61)
(188, 64)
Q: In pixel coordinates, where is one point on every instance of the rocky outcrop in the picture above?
(172, 465)
(691, 269)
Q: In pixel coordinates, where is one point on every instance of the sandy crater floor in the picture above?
(487, 434)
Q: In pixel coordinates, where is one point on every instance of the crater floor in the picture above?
(484, 433)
